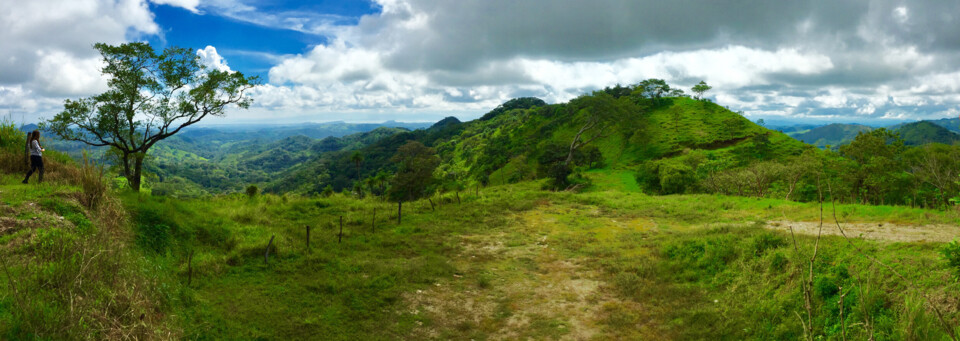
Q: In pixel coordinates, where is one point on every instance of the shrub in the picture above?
(951, 253)
(91, 182)
(766, 241)
(252, 191)
(327, 191)
(154, 237)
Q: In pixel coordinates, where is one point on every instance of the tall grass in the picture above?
(77, 278)
(13, 158)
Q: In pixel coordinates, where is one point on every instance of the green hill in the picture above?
(951, 124)
(505, 145)
(82, 261)
(923, 132)
(832, 135)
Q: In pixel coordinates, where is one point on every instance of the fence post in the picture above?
(340, 235)
(190, 268)
(308, 237)
(266, 255)
(373, 225)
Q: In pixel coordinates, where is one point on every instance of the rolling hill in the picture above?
(504, 146)
(832, 134)
(923, 132)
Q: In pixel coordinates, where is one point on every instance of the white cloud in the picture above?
(422, 59)
(190, 5)
(47, 47)
(59, 73)
(212, 60)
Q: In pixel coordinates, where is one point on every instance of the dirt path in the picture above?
(874, 231)
(513, 285)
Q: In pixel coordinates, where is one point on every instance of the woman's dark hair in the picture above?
(35, 135)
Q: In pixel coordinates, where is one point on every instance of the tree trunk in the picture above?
(432, 208)
(399, 211)
(133, 176)
(458, 197)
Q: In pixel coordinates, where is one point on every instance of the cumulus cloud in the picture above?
(48, 48)
(798, 58)
(424, 59)
(212, 60)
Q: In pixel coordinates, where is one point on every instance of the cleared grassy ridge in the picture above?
(513, 262)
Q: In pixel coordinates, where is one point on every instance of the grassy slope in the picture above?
(678, 126)
(649, 266)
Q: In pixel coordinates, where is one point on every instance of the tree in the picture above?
(252, 191)
(415, 166)
(150, 97)
(878, 158)
(357, 158)
(762, 175)
(700, 89)
(599, 111)
(653, 88)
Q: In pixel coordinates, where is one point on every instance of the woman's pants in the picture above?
(36, 163)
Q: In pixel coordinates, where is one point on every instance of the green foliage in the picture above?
(925, 132)
(700, 89)
(513, 104)
(415, 166)
(951, 253)
(252, 191)
(327, 191)
(151, 96)
(767, 241)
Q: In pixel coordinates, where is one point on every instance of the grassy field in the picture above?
(513, 262)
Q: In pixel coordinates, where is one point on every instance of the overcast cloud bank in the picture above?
(424, 59)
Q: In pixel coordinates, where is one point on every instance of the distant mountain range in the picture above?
(946, 131)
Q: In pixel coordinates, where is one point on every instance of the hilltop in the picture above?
(504, 146)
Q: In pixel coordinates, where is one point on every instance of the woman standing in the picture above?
(36, 155)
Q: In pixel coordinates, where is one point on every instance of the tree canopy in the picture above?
(150, 96)
(415, 165)
(700, 89)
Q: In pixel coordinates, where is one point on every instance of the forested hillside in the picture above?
(832, 134)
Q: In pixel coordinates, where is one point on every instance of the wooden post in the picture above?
(373, 224)
(190, 268)
(266, 255)
(399, 211)
(340, 236)
(308, 237)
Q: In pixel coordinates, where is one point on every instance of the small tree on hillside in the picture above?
(700, 89)
(653, 88)
(151, 97)
(357, 159)
(415, 166)
(599, 111)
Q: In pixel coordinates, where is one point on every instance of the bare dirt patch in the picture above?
(511, 285)
(873, 231)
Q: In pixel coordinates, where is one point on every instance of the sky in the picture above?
(421, 60)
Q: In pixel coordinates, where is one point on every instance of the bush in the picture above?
(252, 191)
(766, 241)
(91, 181)
(327, 191)
(951, 253)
